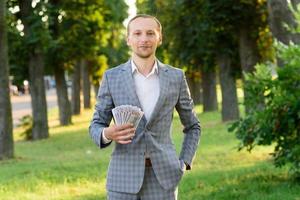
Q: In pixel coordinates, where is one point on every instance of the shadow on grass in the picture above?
(250, 183)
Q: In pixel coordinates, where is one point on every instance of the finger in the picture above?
(125, 137)
(125, 132)
(123, 127)
(124, 141)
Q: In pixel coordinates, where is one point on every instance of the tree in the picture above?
(227, 34)
(82, 29)
(238, 25)
(279, 122)
(76, 89)
(247, 23)
(230, 110)
(185, 46)
(6, 135)
(279, 16)
(86, 83)
(56, 60)
(115, 51)
(35, 39)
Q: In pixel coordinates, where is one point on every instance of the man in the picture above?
(144, 164)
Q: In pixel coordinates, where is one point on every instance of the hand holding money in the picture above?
(126, 119)
(127, 114)
(122, 134)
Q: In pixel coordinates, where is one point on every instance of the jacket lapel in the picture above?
(129, 86)
(128, 83)
(163, 91)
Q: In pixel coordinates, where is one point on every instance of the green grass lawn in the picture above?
(69, 166)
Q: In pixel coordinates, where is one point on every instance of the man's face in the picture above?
(143, 37)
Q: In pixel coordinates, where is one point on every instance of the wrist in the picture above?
(106, 134)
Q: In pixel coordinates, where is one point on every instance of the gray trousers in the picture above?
(151, 190)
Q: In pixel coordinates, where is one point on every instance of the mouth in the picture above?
(144, 47)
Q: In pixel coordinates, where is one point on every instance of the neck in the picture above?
(144, 65)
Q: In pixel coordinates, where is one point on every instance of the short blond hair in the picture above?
(145, 16)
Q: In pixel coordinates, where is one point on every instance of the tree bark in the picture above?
(230, 110)
(210, 102)
(76, 89)
(86, 84)
(249, 56)
(64, 106)
(195, 89)
(38, 96)
(279, 15)
(6, 132)
(36, 78)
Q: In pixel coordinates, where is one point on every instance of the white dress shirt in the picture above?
(147, 90)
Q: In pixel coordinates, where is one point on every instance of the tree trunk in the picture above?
(38, 96)
(195, 89)
(6, 134)
(210, 102)
(76, 89)
(36, 77)
(64, 106)
(86, 83)
(249, 56)
(230, 110)
(279, 15)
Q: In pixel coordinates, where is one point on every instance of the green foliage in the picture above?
(276, 119)
(196, 31)
(26, 123)
(76, 29)
(35, 37)
(87, 29)
(117, 50)
(17, 52)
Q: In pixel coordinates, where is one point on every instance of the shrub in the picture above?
(26, 124)
(275, 114)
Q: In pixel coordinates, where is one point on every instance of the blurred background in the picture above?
(240, 57)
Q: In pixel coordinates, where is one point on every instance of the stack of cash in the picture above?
(127, 114)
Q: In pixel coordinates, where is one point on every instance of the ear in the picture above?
(160, 40)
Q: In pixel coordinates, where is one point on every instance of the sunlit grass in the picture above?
(69, 166)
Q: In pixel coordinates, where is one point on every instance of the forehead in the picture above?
(143, 24)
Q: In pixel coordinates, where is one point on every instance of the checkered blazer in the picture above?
(127, 165)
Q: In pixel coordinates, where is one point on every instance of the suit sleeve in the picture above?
(103, 114)
(191, 124)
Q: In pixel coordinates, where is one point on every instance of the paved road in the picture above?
(21, 105)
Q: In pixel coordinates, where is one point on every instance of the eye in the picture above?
(150, 33)
(137, 33)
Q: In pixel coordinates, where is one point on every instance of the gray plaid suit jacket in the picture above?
(127, 165)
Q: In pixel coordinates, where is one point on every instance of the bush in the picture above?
(26, 124)
(275, 114)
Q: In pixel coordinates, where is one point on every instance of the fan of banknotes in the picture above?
(127, 114)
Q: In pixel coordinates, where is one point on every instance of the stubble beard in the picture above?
(145, 55)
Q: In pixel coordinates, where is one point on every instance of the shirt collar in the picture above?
(135, 69)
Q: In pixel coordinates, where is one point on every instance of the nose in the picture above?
(144, 38)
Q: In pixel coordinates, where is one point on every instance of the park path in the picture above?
(21, 105)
